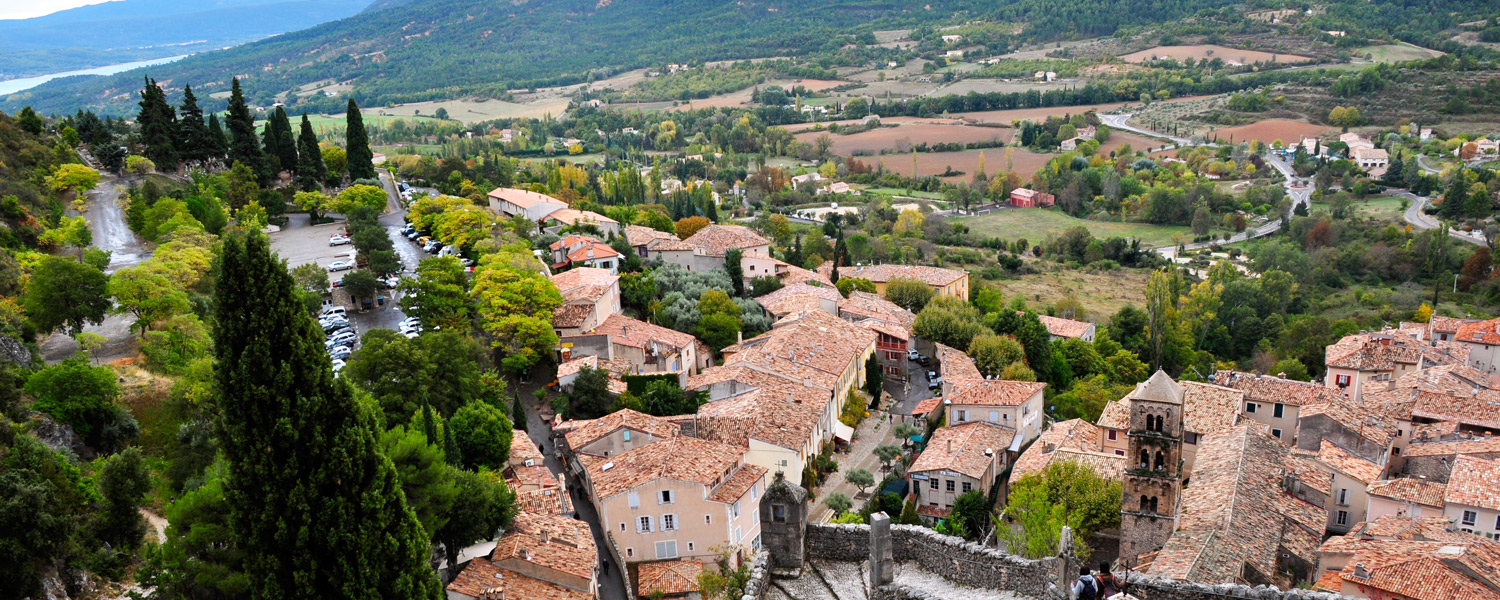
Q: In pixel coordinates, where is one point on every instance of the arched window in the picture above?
(1145, 502)
(1153, 504)
(1161, 461)
(1160, 423)
(1145, 459)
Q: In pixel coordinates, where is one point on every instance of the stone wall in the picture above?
(760, 576)
(1147, 587)
(953, 558)
(621, 569)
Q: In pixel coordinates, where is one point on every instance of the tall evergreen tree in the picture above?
(192, 133)
(314, 505)
(270, 145)
(218, 145)
(243, 146)
(158, 126)
(357, 145)
(280, 143)
(30, 121)
(310, 168)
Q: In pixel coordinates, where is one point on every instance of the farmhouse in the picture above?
(1027, 198)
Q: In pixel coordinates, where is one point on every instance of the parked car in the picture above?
(338, 364)
(333, 325)
(422, 240)
(338, 239)
(913, 355)
(340, 352)
(335, 310)
(339, 331)
(339, 338)
(338, 283)
(411, 335)
(924, 360)
(340, 265)
(410, 322)
(432, 246)
(391, 282)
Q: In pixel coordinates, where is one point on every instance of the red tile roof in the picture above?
(1473, 483)
(993, 392)
(1409, 489)
(1355, 467)
(643, 236)
(523, 198)
(969, 449)
(1416, 529)
(1065, 328)
(671, 578)
(710, 464)
(635, 333)
(866, 305)
(1441, 570)
(561, 544)
(584, 433)
(716, 239)
(928, 405)
(1479, 332)
(1484, 445)
(759, 415)
(1074, 440)
(1271, 389)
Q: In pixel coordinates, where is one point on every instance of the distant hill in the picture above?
(438, 49)
(128, 30)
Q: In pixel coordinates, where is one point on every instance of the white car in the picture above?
(339, 338)
(338, 364)
(338, 239)
(411, 335)
(334, 311)
(410, 322)
(340, 265)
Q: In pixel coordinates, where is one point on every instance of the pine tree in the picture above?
(193, 143)
(158, 127)
(30, 121)
(310, 168)
(218, 145)
(315, 508)
(357, 145)
(243, 146)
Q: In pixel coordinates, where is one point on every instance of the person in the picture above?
(1084, 588)
(606, 566)
(1107, 585)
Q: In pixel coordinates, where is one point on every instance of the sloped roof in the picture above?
(969, 448)
(1416, 529)
(1271, 389)
(1074, 440)
(587, 432)
(523, 198)
(956, 364)
(1437, 570)
(1410, 489)
(1484, 445)
(1473, 483)
(1065, 328)
(1365, 420)
(636, 333)
(796, 297)
(642, 236)
(1208, 408)
(571, 315)
(759, 415)
(1479, 332)
(562, 544)
(692, 460)
(481, 575)
(717, 239)
(1355, 467)
(672, 577)
(872, 306)
(812, 347)
(1158, 388)
(993, 392)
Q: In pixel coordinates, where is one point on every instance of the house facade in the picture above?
(957, 460)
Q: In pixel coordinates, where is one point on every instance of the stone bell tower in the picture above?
(1153, 467)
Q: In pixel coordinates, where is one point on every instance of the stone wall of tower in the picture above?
(1153, 478)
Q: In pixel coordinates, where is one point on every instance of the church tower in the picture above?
(1153, 467)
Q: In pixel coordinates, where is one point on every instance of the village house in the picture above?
(1363, 429)
(1060, 328)
(512, 202)
(1374, 160)
(679, 497)
(815, 357)
(890, 322)
(779, 432)
(559, 219)
(1472, 499)
(1236, 524)
(1014, 405)
(1275, 401)
(583, 251)
(1482, 338)
(1434, 461)
(807, 181)
(1071, 143)
(589, 441)
(646, 347)
(540, 556)
(947, 283)
(1442, 329)
(1351, 479)
(1416, 561)
(615, 370)
(536, 489)
(1029, 198)
(960, 458)
(1453, 398)
(1405, 497)
(1358, 359)
(705, 250)
(644, 238)
(669, 578)
(954, 365)
(1074, 440)
(590, 296)
(801, 297)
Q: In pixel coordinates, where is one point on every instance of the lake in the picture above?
(17, 85)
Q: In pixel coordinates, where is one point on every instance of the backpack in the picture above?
(1106, 588)
(1090, 590)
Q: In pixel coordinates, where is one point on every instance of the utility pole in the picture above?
(1455, 283)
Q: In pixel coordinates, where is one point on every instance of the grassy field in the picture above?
(1102, 293)
(326, 124)
(1385, 207)
(1389, 53)
(1038, 224)
(888, 191)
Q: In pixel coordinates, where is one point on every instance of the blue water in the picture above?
(17, 85)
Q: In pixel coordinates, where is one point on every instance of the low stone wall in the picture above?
(953, 558)
(760, 576)
(1156, 588)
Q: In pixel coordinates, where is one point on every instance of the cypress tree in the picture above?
(286, 142)
(158, 126)
(243, 146)
(450, 448)
(429, 426)
(192, 133)
(268, 144)
(218, 145)
(310, 168)
(357, 142)
(315, 508)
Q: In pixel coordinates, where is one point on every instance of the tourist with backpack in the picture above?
(1107, 586)
(1085, 588)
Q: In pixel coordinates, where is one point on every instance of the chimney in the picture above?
(1360, 571)
(1281, 375)
(739, 337)
(546, 537)
(950, 446)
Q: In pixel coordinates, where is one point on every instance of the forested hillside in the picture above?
(434, 49)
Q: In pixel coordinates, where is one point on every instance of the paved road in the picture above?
(1298, 190)
(108, 225)
(860, 456)
(1422, 221)
(1421, 163)
(1118, 122)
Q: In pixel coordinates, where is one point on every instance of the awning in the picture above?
(843, 432)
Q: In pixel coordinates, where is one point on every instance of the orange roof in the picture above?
(797, 297)
(1065, 328)
(993, 392)
(1409, 489)
(1418, 529)
(1472, 483)
(483, 576)
(558, 543)
(1479, 332)
(641, 236)
(592, 251)
(673, 577)
(523, 198)
(1271, 389)
(1073, 440)
(635, 333)
(1355, 467)
(716, 239)
(523, 449)
(710, 464)
(872, 306)
(573, 217)
(1484, 445)
(927, 406)
(956, 364)
(584, 433)
(969, 448)
(578, 277)
(759, 415)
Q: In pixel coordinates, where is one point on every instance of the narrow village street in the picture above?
(874, 431)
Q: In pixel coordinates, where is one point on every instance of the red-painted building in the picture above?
(1026, 197)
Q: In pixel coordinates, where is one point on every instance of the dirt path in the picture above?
(158, 525)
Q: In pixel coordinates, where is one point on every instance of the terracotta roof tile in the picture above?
(1208, 408)
(933, 276)
(574, 217)
(1472, 483)
(1065, 328)
(716, 239)
(1357, 468)
(1484, 445)
(523, 198)
(759, 415)
(1073, 440)
(592, 251)
(1416, 529)
(993, 392)
(1382, 351)
(562, 544)
(584, 433)
(866, 305)
(927, 405)
(814, 346)
(738, 484)
(710, 464)
(1440, 570)
(1447, 324)
(1479, 332)
(969, 448)
(643, 236)
(891, 329)
(1271, 389)
(1309, 473)
(523, 449)
(1408, 489)
(635, 333)
(956, 364)
(571, 315)
(798, 297)
(481, 575)
(673, 577)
